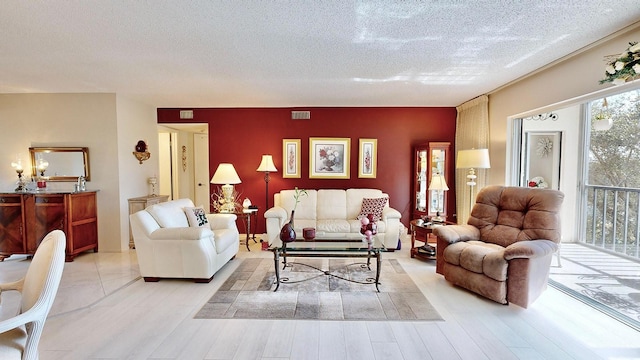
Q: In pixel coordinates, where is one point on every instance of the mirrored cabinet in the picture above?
(429, 198)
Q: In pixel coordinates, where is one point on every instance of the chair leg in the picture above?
(558, 255)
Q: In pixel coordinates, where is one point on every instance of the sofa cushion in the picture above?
(478, 257)
(333, 226)
(196, 216)
(373, 206)
(306, 208)
(170, 214)
(332, 204)
(354, 200)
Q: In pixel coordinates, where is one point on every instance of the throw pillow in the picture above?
(196, 216)
(372, 206)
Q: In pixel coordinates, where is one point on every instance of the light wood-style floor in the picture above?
(103, 312)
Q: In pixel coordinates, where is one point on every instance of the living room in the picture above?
(110, 123)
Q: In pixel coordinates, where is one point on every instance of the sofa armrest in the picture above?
(530, 249)
(455, 233)
(222, 221)
(181, 233)
(390, 213)
(276, 212)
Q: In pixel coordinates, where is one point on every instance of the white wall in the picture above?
(105, 124)
(135, 121)
(567, 80)
(568, 121)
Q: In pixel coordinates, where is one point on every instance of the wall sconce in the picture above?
(141, 152)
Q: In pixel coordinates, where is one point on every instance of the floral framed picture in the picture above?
(291, 158)
(329, 158)
(368, 158)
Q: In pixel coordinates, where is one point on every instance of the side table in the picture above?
(246, 215)
(421, 231)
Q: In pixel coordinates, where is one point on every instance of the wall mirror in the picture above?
(65, 163)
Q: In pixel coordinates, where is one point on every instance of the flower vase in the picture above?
(287, 233)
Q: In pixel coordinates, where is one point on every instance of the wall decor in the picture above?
(291, 158)
(184, 158)
(368, 158)
(541, 159)
(329, 158)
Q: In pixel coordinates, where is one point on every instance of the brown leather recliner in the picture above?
(504, 252)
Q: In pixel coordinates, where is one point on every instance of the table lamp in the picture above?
(17, 166)
(439, 185)
(227, 176)
(267, 166)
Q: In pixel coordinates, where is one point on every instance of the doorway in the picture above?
(184, 162)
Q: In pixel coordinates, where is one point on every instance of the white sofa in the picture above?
(332, 212)
(167, 247)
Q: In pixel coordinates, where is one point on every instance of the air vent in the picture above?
(301, 115)
(186, 114)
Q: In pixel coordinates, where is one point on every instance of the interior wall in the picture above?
(67, 120)
(567, 123)
(135, 121)
(572, 78)
(242, 135)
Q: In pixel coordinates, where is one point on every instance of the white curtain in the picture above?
(472, 132)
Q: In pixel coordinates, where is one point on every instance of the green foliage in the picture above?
(614, 154)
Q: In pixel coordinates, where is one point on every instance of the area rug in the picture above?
(311, 294)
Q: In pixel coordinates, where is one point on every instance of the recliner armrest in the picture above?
(456, 233)
(222, 221)
(530, 249)
(181, 233)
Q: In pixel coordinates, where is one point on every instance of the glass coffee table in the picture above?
(334, 246)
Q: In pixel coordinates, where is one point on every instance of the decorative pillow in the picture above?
(197, 216)
(372, 206)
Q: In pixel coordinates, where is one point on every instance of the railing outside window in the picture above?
(613, 219)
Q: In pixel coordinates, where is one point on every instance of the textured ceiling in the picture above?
(292, 53)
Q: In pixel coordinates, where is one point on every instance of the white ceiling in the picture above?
(292, 53)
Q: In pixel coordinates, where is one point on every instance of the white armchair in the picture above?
(167, 247)
(20, 335)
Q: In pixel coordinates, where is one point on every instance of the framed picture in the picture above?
(329, 158)
(368, 158)
(541, 159)
(291, 158)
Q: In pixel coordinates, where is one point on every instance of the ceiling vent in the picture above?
(301, 115)
(186, 114)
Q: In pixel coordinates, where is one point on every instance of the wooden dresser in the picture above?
(26, 218)
(141, 203)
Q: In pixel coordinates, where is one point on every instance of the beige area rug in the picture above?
(311, 294)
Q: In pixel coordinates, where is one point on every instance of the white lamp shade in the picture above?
(267, 164)
(225, 174)
(438, 183)
(473, 158)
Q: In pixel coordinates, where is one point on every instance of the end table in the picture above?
(421, 230)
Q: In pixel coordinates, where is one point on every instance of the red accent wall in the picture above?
(241, 135)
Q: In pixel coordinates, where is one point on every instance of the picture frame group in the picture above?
(330, 158)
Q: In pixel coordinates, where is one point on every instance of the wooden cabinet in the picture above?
(430, 159)
(12, 232)
(26, 218)
(141, 203)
